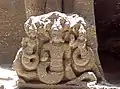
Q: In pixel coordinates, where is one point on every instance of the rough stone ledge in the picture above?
(44, 86)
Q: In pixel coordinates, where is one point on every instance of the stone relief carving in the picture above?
(55, 51)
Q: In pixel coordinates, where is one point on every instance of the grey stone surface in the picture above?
(34, 7)
(53, 5)
(85, 8)
(12, 17)
(68, 6)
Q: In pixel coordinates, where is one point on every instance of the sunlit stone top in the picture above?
(56, 20)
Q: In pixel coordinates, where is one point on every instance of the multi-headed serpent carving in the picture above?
(56, 51)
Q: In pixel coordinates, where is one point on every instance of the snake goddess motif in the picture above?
(56, 51)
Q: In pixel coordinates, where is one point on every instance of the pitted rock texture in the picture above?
(12, 18)
(56, 51)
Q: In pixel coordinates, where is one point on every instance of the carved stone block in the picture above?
(55, 53)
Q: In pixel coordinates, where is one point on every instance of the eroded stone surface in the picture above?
(56, 51)
(12, 18)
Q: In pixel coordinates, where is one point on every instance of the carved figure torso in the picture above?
(57, 52)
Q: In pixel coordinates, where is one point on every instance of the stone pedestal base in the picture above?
(44, 86)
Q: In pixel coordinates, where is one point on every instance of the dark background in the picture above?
(107, 13)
